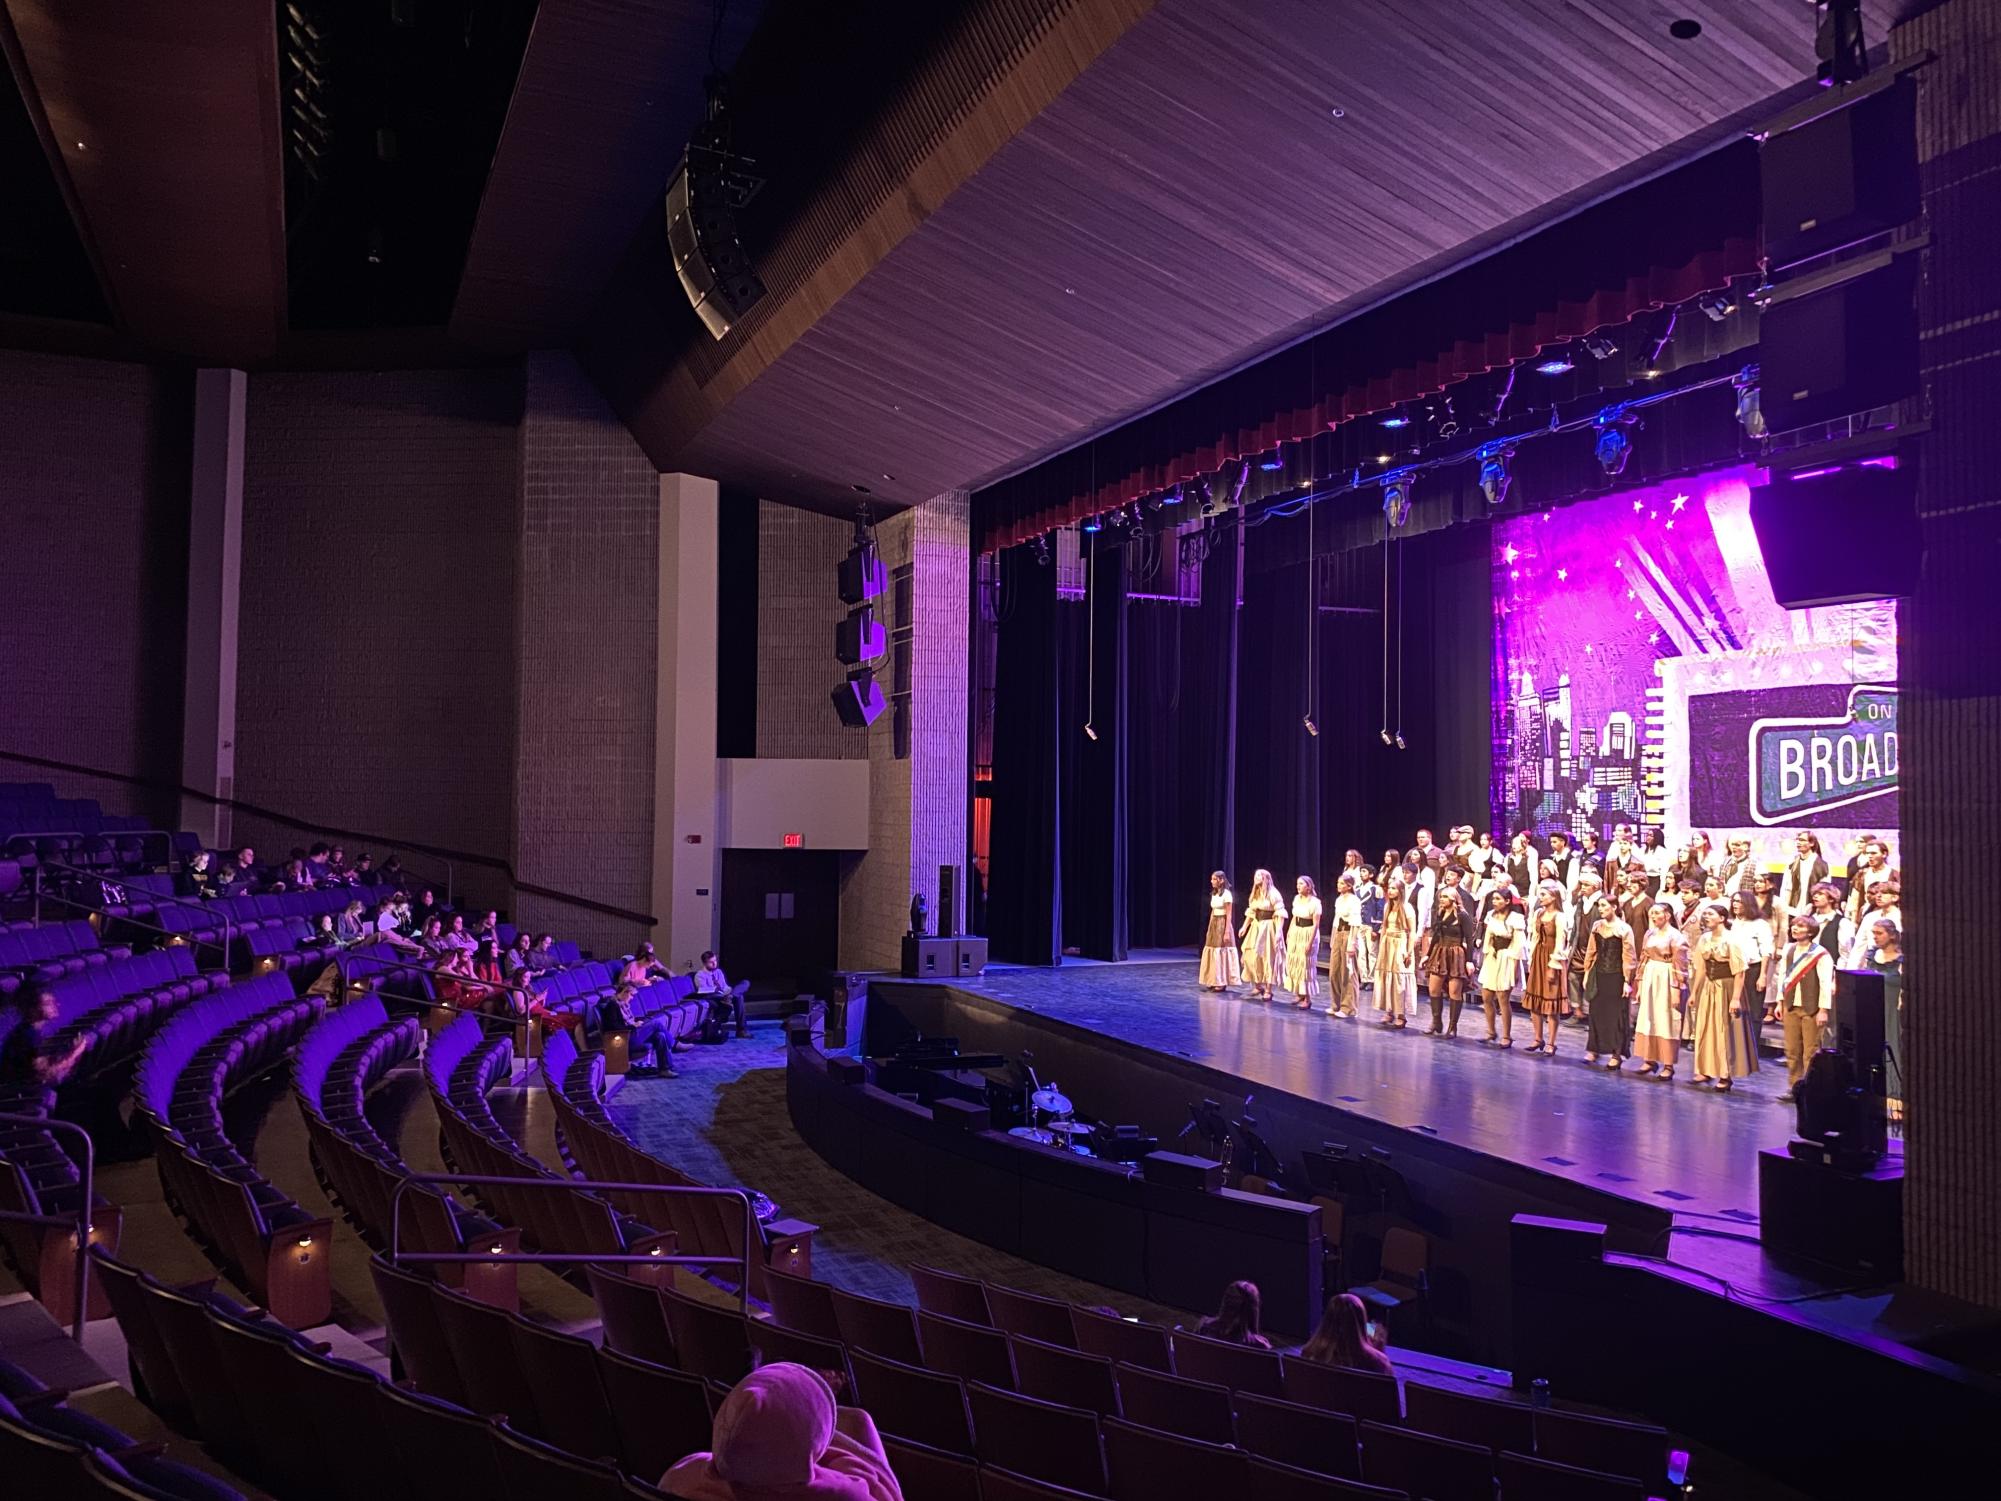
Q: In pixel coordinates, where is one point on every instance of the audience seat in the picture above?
(1439, 1469)
(1004, 1485)
(1545, 1480)
(1363, 1395)
(1306, 1438)
(1144, 1464)
(947, 1293)
(1195, 1409)
(911, 1402)
(1638, 1450)
(1044, 1319)
(1048, 1442)
(1127, 1343)
(972, 1352)
(661, 1415)
(1242, 1368)
(1488, 1421)
(802, 1304)
(927, 1474)
(635, 1322)
(1272, 1481)
(1056, 1374)
(887, 1330)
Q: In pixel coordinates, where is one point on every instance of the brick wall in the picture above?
(917, 806)
(94, 464)
(1951, 671)
(587, 640)
(799, 604)
(376, 670)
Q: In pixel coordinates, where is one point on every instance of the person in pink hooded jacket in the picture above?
(780, 1437)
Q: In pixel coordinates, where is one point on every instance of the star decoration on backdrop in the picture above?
(1653, 638)
(1563, 575)
(1639, 506)
(1678, 503)
(1669, 523)
(1510, 553)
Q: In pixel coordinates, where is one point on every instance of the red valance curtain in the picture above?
(1662, 242)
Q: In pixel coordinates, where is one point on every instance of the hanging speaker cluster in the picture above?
(860, 639)
(703, 199)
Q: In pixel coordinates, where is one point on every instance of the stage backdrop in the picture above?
(1643, 673)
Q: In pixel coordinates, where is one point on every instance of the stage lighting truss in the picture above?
(1494, 476)
(1716, 306)
(1600, 347)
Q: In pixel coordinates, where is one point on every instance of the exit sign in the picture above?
(795, 841)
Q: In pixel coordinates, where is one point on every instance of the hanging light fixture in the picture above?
(1494, 476)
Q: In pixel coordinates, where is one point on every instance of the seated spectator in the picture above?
(389, 930)
(229, 883)
(517, 957)
(293, 875)
(487, 927)
(247, 868)
(452, 980)
(456, 937)
(197, 877)
(323, 929)
(432, 938)
(542, 958)
(319, 863)
(1237, 1317)
(26, 1057)
(391, 873)
(1348, 1337)
(780, 1433)
(365, 873)
(646, 1035)
(426, 907)
(487, 968)
(353, 925)
(642, 968)
(337, 865)
(724, 998)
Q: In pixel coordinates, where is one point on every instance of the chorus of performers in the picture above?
(1670, 959)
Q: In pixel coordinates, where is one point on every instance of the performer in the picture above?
(1688, 866)
(1885, 904)
(1489, 867)
(1657, 859)
(1726, 1044)
(1566, 863)
(1738, 867)
(1663, 975)
(1831, 928)
(1344, 968)
(1694, 904)
(1608, 962)
(1523, 867)
(1884, 953)
(1622, 852)
(1868, 868)
(1442, 952)
(1396, 955)
(1635, 898)
(1806, 993)
(1591, 852)
(1545, 985)
(1577, 928)
(1751, 930)
(1302, 941)
(1369, 897)
(1220, 969)
(1502, 942)
(1806, 870)
(1264, 923)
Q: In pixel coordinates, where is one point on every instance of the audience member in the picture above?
(725, 999)
(487, 927)
(365, 873)
(247, 869)
(198, 876)
(319, 863)
(229, 883)
(1236, 1319)
(432, 938)
(1346, 1337)
(780, 1434)
(542, 958)
(518, 955)
(643, 968)
(27, 1056)
(425, 907)
(389, 930)
(353, 925)
(456, 937)
(645, 1036)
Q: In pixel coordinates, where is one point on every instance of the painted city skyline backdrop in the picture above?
(1644, 674)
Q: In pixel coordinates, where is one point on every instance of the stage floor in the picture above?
(1686, 1150)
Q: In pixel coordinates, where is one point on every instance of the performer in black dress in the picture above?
(1608, 970)
(1444, 948)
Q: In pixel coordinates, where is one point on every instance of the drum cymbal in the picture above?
(1050, 1101)
(1068, 1128)
(1031, 1133)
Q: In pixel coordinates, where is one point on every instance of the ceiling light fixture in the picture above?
(1556, 364)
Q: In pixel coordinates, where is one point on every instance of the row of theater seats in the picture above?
(340, 1061)
(38, 1179)
(1060, 1405)
(248, 1226)
(118, 1005)
(47, 952)
(706, 1225)
(461, 1066)
(49, 1448)
(306, 1426)
(30, 808)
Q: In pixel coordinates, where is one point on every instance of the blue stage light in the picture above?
(1556, 365)
(1395, 419)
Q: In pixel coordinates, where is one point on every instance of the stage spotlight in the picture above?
(1559, 364)
(1272, 462)
(1401, 743)
(1311, 728)
(1090, 733)
(1750, 413)
(1093, 524)
(1133, 514)
(1494, 476)
(1243, 478)
(1394, 419)
(1600, 348)
(1396, 498)
(1715, 306)
(1039, 550)
(1384, 732)
(1172, 497)
(1613, 447)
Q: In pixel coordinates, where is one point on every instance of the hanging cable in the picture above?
(1312, 616)
(1385, 730)
(1091, 616)
(1401, 653)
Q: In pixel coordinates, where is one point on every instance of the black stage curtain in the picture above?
(1182, 750)
(1025, 887)
(1094, 772)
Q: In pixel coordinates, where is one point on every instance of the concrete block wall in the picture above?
(585, 648)
(799, 603)
(376, 663)
(94, 465)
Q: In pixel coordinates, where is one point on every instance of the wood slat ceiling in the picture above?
(162, 121)
(1192, 200)
(608, 93)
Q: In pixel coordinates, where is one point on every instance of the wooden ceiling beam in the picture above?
(164, 127)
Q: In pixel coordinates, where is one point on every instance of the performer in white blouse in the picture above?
(1344, 972)
(1263, 933)
(1220, 967)
(1489, 867)
(1302, 941)
(1503, 943)
(1658, 860)
(1396, 956)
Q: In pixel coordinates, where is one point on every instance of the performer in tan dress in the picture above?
(1396, 957)
(1263, 933)
(1663, 974)
(1726, 1034)
(1503, 937)
(1344, 972)
(1302, 943)
(1220, 968)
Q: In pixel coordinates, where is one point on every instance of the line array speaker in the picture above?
(1841, 349)
(1843, 177)
(1836, 535)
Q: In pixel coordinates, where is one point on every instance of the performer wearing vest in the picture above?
(1807, 869)
(1806, 998)
(1831, 928)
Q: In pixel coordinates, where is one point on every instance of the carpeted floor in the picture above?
(724, 1121)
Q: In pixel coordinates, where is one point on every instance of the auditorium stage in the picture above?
(1679, 1150)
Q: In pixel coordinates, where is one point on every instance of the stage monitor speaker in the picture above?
(948, 900)
(860, 638)
(929, 958)
(710, 261)
(859, 700)
(971, 954)
(1840, 534)
(1848, 175)
(1839, 350)
(862, 575)
(1861, 1003)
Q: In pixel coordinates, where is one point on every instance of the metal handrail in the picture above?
(228, 924)
(160, 834)
(397, 1256)
(82, 1225)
